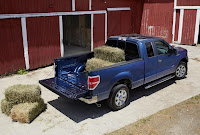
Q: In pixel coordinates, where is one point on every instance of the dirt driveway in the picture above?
(74, 117)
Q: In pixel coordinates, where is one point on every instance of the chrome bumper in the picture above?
(89, 101)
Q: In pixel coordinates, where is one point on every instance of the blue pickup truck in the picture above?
(149, 61)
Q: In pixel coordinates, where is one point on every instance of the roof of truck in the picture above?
(133, 37)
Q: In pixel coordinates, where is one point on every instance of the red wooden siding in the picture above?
(137, 9)
(43, 40)
(82, 5)
(126, 26)
(114, 25)
(34, 6)
(188, 2)
(177, 25)
(103, 4)
(119, 22)
(189, 21)
(99, 30)
(11, 52)
(157, 19)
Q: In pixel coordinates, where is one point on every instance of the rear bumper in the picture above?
(90, 101)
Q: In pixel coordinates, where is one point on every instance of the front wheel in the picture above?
(119, 97)
(181, 70)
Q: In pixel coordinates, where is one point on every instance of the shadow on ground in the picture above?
(79, 111)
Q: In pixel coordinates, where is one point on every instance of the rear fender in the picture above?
(121, 76)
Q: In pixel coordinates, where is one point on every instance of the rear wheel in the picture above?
(119, 97)
(181, 70)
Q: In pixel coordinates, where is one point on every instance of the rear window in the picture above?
(131, 51)
(112, 43)
(116, 43)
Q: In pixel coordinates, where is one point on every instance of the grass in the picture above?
(22, 71)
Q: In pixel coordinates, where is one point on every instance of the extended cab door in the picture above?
(165, 61)
(151, 62)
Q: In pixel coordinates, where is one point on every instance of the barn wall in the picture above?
(177, 25)
(137, 10)
(43, 40)
(99, 30)
(34, 6)
(189, 21)
(157, 19)
(123, 25)
(81, 5)
(11, 52)
(104, 4)
(188, 2)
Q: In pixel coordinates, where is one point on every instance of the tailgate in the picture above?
(64, 88)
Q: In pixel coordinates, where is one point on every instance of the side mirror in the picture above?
(172, 51)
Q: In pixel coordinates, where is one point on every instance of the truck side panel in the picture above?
(132, 70)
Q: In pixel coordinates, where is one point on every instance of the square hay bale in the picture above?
(6, 106)
(23, 93)
(26, 112)
(95, 63)
(111, 54)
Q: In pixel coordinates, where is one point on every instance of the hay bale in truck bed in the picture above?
(111, 54)
(95, 63)
(26, 112)
(23, 93)
(6, 106)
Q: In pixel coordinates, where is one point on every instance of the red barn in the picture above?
(34, 32)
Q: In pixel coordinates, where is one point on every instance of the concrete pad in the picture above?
(74, 117)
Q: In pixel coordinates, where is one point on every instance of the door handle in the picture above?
(159, 60)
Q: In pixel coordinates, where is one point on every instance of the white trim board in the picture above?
(180, 30)
(118, 9)
(106, 27)
(174, 25)
(92, 32)
(5, 16)
(61, 36)
(90, 4)
(187, 7)
(73, 5)
(196, 34)
(25, 42)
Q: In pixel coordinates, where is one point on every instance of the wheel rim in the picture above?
(120, 97)
(180, 71)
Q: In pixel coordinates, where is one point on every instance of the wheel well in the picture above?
(127, 82)
(184, 60)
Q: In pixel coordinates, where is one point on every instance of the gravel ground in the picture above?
(74, 117)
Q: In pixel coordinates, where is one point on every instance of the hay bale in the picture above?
(111, 54)
(26, 112)
(23, 93)
(95, 63)
(6, 106)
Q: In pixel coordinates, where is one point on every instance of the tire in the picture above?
(119, 97)
(181, 70)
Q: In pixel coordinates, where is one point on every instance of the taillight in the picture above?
(93, 82)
